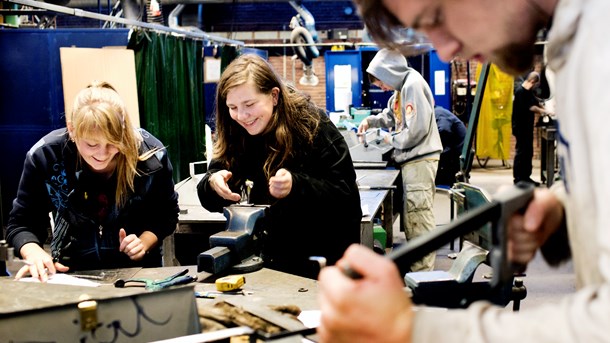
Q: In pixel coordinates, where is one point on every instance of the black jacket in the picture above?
(320, 217)
(522, 116)
(83, 205)
(453, 132)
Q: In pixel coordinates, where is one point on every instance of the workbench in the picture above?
(35, 312)
(385, 190)
(268, 286)
(375, 154)
(371, 202)
(196, 224)
(264, 288)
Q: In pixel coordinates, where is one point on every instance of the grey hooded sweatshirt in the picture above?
(418, 136)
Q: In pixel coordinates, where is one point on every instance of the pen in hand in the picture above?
(350, 273)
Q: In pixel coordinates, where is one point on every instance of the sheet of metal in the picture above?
(118, 315)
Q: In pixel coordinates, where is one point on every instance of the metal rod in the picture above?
(92, 15)
(283, 334)
(417, 248)
(349, 44)
(22, 12)
(211, 336)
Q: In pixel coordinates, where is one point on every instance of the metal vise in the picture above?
(236, 247)
(4, 256)
(455, 288)
(365, 151)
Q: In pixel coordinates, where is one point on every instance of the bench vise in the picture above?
(238, 247)
(455, 287)
(371, 147)
(4, 257)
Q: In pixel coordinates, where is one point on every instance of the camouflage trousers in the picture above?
(418, 204)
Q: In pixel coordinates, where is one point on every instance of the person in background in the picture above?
(108, 186)
(415, 138)
(525, 106)
(274, 136)
(568, 220)
(453, 133)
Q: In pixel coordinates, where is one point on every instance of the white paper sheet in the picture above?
(64, 279)
(439, 82)
(365, 210)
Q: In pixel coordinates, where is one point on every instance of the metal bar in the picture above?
(99, 10)
(213, 336)
(468, 151)
(22, 12)
(271, 45)
(496, 212)
(283, 334)
(91, 15)
(348, 44)
(419, 247)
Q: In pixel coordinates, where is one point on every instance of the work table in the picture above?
(34, 301)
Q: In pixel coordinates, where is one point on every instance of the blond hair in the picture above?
(99, 109)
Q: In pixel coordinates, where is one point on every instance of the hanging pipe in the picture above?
(307, 18)
(173, 20)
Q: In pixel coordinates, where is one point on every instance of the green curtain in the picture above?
(169, 73)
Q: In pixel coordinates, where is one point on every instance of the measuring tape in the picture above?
(230, 283)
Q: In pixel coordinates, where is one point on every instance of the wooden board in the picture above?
(80, 66)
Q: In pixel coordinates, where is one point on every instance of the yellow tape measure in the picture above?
(230, 283)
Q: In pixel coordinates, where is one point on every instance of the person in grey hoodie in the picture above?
(415, 138)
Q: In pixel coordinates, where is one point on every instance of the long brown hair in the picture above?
(99, 108)
(295, 118)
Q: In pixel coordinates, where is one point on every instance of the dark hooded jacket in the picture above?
(320, 217)
(82, 204)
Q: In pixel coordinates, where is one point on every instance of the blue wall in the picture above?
(364, 94)
(442, 68)
(275, 15)
(349, 57)
(31, 92)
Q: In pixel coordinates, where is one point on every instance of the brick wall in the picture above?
(284, 66)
